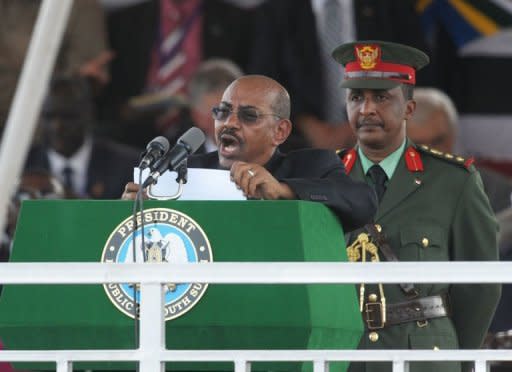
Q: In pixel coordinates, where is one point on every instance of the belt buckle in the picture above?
(374, 315)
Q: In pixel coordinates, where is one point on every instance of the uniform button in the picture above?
(373, 336)
(372, 297)
(424, 241)
(436, 347)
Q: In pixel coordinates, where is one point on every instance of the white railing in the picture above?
(151, 354)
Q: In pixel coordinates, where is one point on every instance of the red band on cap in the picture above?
(369, 65)
(382, 70)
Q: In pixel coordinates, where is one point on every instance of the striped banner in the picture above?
(466, 20)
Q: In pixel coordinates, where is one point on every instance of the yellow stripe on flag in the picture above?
(479, 21)
(421, 5)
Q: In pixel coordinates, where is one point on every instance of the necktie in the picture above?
(379, 178)
(67, 174)
(177, 51)
(333, 35)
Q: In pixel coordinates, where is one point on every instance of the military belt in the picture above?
(418, 310)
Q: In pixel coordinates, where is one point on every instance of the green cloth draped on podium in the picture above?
(226, 317)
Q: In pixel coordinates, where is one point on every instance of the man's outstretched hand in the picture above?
(257, 183)
(130, 191)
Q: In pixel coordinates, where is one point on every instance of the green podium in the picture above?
(226, 317)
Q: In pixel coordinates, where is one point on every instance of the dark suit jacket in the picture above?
(315, 175)
(445, 206)
(110, 167)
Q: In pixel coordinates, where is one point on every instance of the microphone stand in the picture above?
(182, 171)
(181, 180)
(138, 205)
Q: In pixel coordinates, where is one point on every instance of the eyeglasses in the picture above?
(246, 115)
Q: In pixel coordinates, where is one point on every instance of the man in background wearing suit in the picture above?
(88, 166)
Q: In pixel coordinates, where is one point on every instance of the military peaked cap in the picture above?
(374, 64)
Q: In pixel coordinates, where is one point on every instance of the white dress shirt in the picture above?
(78, 162)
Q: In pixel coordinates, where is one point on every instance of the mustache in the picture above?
(230, 132)
(369, 122)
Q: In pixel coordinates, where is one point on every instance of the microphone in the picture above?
(154, 151)
(187, 144)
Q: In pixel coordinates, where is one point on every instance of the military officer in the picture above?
(432, 207)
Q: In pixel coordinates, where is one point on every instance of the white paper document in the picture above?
(202, 184)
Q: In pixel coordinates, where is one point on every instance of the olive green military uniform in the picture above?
(432, 208)
(434, 212)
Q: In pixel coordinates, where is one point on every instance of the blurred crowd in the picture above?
(130, 70)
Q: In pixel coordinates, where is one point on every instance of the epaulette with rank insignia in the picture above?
(454, 159)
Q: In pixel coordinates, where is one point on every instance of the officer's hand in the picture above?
(130, 191)
(257, 183)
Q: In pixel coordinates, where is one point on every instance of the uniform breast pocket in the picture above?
(424, 243)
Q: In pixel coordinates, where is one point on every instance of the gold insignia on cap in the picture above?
(367, 56)
(373, 336)
(424, 242)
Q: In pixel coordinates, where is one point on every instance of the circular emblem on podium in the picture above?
(169, 236)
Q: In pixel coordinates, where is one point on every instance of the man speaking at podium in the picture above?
(251, 121)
